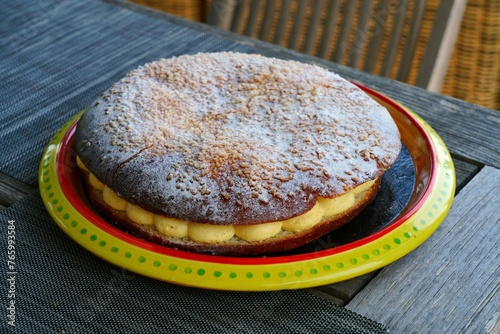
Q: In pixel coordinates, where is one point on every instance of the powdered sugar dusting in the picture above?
(227, 137)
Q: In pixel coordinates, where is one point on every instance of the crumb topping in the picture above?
(245, 136)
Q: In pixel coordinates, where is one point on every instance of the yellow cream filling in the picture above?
(80, 164)
(334, 206)
(306, 220)
(112, 199)
(139, 215)
(363, 187)
(96, 183)
(258, 232)
(171, 227)
(209, 233)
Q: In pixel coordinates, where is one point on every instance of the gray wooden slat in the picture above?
(221, 13)
(377, 35)
(463, 252)
(238, 11)
(298, 22)
(12, 190)
(361, 33)
(346, 290)
(329, 27)
(282, 22)
(252, 18)
(312, 30)
(445, 46)
(394, 38)
(326, 296)
(435, 39)
(464, 171)
(411, 40)
(345, 30)
(268, 19)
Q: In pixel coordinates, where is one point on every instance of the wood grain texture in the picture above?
(12, 190)
(464, 171)
(346, 290)
(326, 295)
(450, 284)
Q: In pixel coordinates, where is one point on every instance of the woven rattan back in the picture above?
(377, 36)
(190, 9)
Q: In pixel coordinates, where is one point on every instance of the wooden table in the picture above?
(448, 284)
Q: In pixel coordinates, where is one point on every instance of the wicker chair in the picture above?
(474, 71)
(194, 10)
(379, 37)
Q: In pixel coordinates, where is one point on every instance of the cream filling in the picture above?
(209, 233)
(341, 202)
(305, 221)
(172, 227)
(258, 232)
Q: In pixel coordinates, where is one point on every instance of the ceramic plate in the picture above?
(428, 201)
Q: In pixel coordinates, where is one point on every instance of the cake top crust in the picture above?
(230, 138)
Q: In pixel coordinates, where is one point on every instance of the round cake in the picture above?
(233, 154)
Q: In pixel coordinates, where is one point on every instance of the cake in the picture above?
(233, 154)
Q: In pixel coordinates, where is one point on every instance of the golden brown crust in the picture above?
(284, 241)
